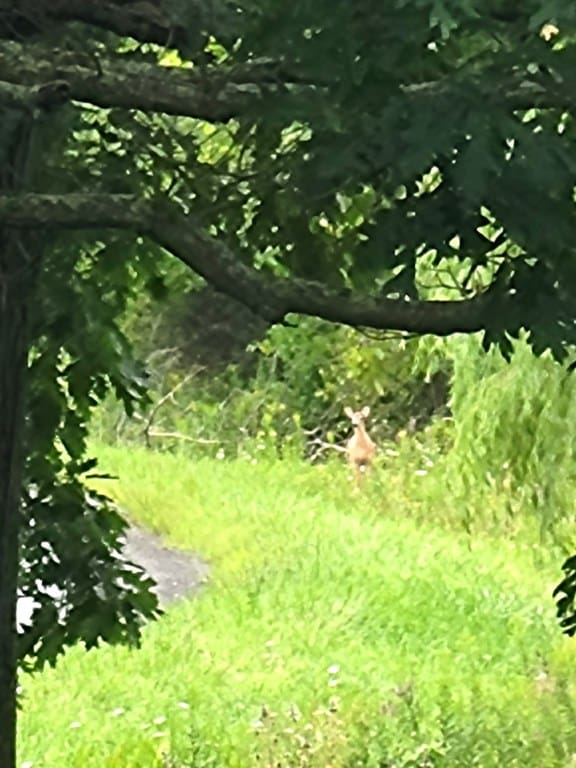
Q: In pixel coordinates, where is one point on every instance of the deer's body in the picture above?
(360, 448)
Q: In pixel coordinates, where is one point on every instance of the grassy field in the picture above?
(336, 630)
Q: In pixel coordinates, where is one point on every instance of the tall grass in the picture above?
(336, 630)
(515, 435)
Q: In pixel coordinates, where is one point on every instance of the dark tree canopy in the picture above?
(406, 165)
(328, 159)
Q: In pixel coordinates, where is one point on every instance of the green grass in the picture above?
(370, 637)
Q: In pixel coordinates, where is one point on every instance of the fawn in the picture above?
(360, 449)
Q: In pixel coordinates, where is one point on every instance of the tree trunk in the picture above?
(19, 261)
(13, 354)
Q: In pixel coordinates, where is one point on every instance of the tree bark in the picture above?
(211, 95)
(18, 267)
(218, 94)
(144, 21)
(266, 294)
(14, 297)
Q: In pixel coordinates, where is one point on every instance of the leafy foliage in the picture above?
(71, 540)
(386, 142)
(511, 433)
(511, 448)
(285, 394)
(565, 594)
(419, 89)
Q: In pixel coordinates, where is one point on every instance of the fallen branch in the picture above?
(320, 446)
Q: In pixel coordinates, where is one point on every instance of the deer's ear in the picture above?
(366, 411)
(349, 412)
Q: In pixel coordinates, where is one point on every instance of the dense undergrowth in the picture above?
(409, 625)
(337, 629)
(500, 429)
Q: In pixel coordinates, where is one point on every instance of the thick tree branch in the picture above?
(30, 99)
(519, 93)
(270, 296)
(145, 20)
(215, 95)
(120, 82)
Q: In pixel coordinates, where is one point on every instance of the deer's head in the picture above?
(357, 417)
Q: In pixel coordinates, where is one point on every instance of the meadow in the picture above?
(380, 629)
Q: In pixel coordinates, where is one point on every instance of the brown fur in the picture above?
(360, 448)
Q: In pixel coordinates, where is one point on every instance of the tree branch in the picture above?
(30, 99)
(213, 95)
(145, 21)
(120, 82)
(269, 296)
(210, 94)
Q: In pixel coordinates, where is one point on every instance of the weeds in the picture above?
(376, 635)
(289, 740)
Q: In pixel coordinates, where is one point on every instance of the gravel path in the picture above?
(177, 573)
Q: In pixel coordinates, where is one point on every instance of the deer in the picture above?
(360, 448)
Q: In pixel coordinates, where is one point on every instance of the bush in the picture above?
(292, 396)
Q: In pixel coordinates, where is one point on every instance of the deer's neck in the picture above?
(361, 433)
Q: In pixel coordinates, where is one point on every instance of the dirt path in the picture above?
(177, 573)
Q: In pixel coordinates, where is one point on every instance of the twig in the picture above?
(168, 396)
(321, 446)
(180, 436)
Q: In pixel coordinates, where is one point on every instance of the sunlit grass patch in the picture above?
(331, 633)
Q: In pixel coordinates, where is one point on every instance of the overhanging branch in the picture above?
(30, 99)
(268, 295)
(121, 82)
(215, 94)
(143, 21)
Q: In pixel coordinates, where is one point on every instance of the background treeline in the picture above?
(497, 437)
